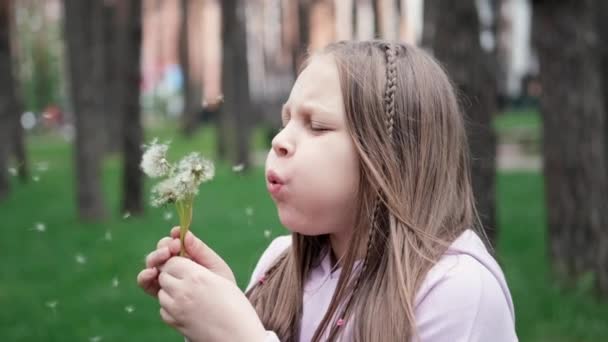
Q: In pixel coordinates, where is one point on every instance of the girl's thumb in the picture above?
(203, 255)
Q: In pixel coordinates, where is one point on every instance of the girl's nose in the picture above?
(281, 146)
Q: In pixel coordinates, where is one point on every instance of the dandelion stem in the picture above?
(184, 211)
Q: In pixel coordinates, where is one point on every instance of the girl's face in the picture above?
(312, 169)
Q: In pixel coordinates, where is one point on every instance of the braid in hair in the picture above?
(389, 108)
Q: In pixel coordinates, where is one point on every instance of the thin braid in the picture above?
(389, 107)
(390, 89)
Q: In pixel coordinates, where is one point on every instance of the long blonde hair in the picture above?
(415, 197)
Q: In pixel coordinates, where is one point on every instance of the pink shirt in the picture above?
(464, 297)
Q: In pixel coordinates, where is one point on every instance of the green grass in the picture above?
(41, 267)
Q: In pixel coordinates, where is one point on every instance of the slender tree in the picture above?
(130, 24)
(235, 81)
(7, 97)
(574, 143)
(456, 44)
(84, 42)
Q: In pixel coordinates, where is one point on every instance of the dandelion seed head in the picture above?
(164, 192)
(154, 160)
(199, 168)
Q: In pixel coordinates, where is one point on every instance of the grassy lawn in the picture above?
(76, 281)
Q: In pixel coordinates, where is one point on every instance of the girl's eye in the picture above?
(318, 129)
(315, 127)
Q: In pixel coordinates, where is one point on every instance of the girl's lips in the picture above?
(274, 183)
(274, 188)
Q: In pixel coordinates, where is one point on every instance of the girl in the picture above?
(370, 173)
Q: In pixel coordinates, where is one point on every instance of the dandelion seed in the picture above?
(249, 211)
(12, 171)
(238, 168)
(267, 233)
(115, 282)
(205, 104)
(168, 215)
(36, 178)
(220, 98)
(81, 259)
(154, 160)
(108, 236)
(40, 227)
(95, 338)
(51, 304)
(126, 215)
(129, 308)
(42, 166)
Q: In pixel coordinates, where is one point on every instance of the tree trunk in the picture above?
(574, 141)
(131, 27)
(84, 42)
(456, 44)
(111, 101)
(18, 138)
(303, 33)
(429, 23)
(191, 108)
(235, 78)
(7, 97)
(602, 12)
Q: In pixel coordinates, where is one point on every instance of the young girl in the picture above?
(370, 173)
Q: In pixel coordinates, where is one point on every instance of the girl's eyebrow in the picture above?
(306, 108)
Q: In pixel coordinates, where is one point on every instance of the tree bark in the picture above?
(190, 113)
(574, 142)
(84, 42)
(7, 98)
(132, 133)
(18, 138)
(456, 44)
(235, 78)
(602, 12)
(303, 43)
(112, 76)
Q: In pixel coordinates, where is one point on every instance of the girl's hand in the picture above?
(168, 247)
(205, 306)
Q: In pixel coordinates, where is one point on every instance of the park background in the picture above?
(84, 84)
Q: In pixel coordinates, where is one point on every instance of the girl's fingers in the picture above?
(175, 232)
(146, 279)
(168, 283)
(158, 257)
(174, 246)
(167, 318)
(166, 302)
(163, 242)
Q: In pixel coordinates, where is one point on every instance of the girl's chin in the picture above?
(303, 227)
